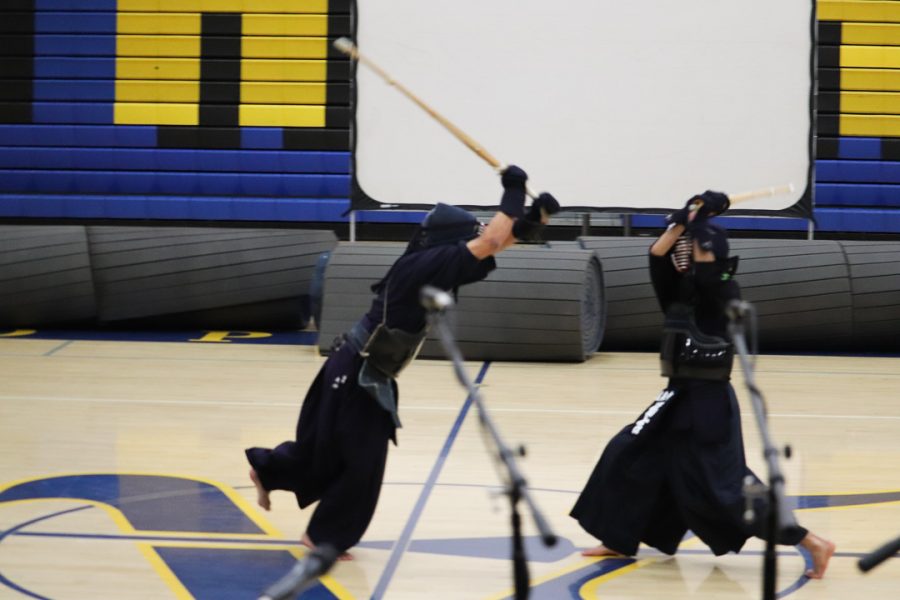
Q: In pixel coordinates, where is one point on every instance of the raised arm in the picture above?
(512, 222)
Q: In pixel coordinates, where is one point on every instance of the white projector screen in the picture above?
(606, 104)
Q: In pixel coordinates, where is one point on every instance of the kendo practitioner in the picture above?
(351, 409)
(681, 465)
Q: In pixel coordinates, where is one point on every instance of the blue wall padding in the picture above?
(75, 45)
(75, 4)
(765, 223)
(860, 148)
(75, 22)
(858, 194)
(827, 219)
(175, 184)
(74, 90)
(140, 136)
(264, 138)
(175, 207)
(862, 171)
(858, 220)
(140, 159)
(73, 112)
(74, 68)
(193, 208)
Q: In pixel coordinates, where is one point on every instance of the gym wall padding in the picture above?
(144, 272)
(540, 304)
(190, 110)
(809, 295)
(45, 276)
(858, 122)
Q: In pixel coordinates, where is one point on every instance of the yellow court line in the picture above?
(589, 590)
(156, 562)
(153, 558)
(556, 575)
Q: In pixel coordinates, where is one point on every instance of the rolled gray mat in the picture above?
(875, 293)
(540, 304)
(633, 317)
(150, 271)
(45, 276)
(800, 289)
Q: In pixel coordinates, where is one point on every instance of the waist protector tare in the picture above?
(388, 349)
(688, 352)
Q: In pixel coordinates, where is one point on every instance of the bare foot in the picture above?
(601, 550)
(262, 494)
(308, 543)
(821, 551)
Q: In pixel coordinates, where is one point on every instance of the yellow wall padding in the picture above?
(157, 23)
(876, 57)
(870, 34)
(157, 91)
(870, 125)
(283, 93)
(237, 6)
(284, 47)
(877, 103)
(158, 68)
(180, 46)
(283, 70)
(858, 10)
(886, 80)
(308, 25)
(267, 115)
(143, 113)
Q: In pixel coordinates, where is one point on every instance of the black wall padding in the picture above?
(540, 304)
(149, 271)
(875, 291)
(801, 290)
(45, 276)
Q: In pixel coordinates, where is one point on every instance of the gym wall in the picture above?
(174, 109)
(858, 170)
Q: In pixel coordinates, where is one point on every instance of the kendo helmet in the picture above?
(445, 224)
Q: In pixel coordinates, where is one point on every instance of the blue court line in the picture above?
(5, 581)
(403, 542)
(58, 348)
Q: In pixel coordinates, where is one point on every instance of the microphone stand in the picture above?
(778, 516)
(516, 486)
(879, 555)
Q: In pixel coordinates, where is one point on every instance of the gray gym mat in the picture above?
(541, 303)
(45, 276)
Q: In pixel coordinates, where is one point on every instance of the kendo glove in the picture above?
(680, 216)
(529, 227)
(512, 203)
(712, 204)
(708, 204)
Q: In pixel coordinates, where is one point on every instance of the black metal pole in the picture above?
(516, 486)
(778, 514)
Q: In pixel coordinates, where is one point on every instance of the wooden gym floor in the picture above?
(123, 475)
